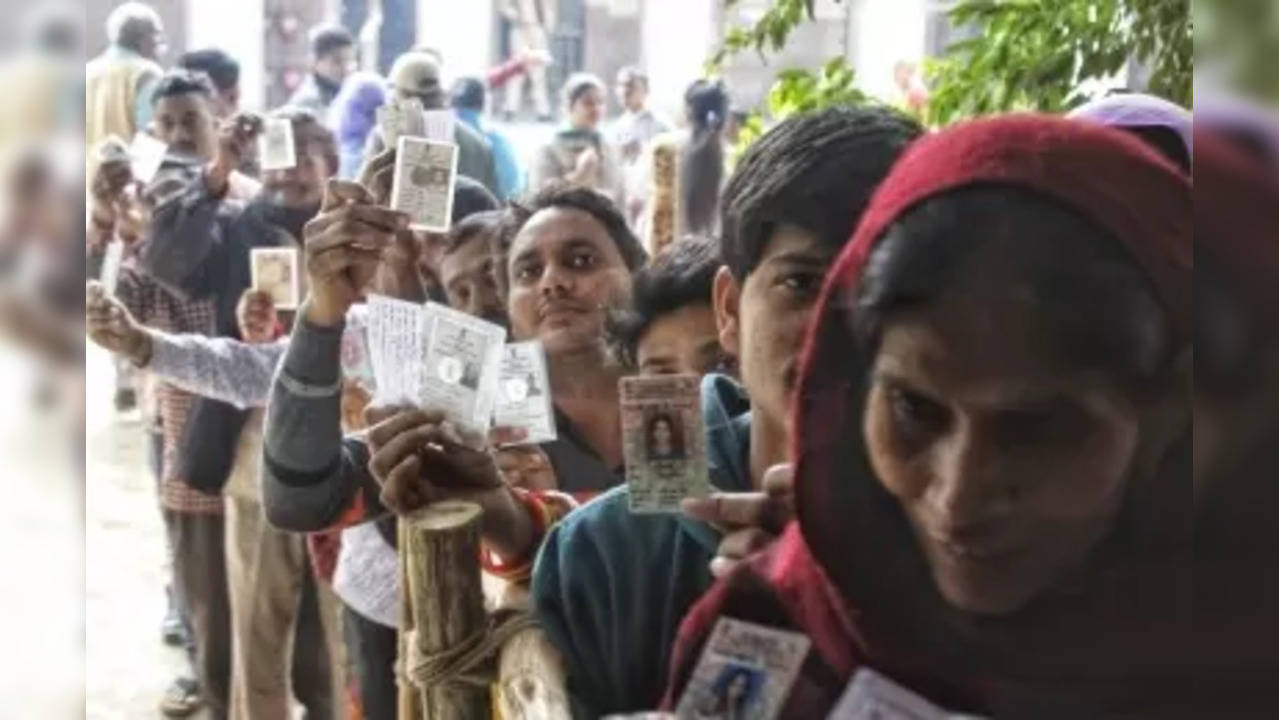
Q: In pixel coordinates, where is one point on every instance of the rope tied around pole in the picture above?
(466, 663)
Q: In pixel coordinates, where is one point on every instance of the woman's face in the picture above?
(662, 436)
(587, 109)
(736, 688)
(1009, 465)
(565, 271)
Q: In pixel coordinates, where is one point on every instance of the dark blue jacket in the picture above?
(610, 588)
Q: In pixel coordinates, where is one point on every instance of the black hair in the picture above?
(471, 197)
(181, 81)
(681, 275)
(632, 73)
(1096, 303)
(310, 130)
(1165, 140)
(577, 85)
(702, 157)
(561, 195)
(484, 225)
(816, 171)
(327, 38)
(221, 68)
(467, 93)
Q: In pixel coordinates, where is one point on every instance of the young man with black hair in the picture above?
(182, 117)
(333, 57)
(223, 71)
(669, 327)
(610, 588)
(198, 252)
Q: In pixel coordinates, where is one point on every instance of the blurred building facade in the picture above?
(670, 38)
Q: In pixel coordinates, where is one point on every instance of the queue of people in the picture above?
(946, 377)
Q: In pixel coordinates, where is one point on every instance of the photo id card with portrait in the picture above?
(462, 362)
(275, 271)
(422, 185)
(663, 441)
(276, 144)
(746, 671)
(524, 396)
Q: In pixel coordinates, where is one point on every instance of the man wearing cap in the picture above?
(416, 75)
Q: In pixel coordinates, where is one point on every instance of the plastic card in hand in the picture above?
(111, 261)
(463, 361)
(422, 186)
(396, 343)
(439, 125)
(524, 393)
(277, 148)
(356, 361)
(746, 671)
(871, 696)
(663, 441)
(146, 155)
(275, 271)
(401, 118)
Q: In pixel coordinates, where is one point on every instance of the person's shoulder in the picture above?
(607, 524)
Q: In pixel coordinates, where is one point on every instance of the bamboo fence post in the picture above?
(439, 551)
(531, 678)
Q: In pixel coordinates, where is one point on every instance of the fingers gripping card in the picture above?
(422, 185)
(746, 672)
(277, 148)
(663, 441)
(524, 393)
(462, 362)
(275, 271)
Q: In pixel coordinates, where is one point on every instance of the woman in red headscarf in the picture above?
(992, 437)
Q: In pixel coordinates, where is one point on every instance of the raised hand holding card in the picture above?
(746, 672)
(663, 441)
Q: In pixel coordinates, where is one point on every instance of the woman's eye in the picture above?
(914, 412)
(800, 283)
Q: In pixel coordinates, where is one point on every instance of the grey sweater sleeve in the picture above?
(221, 368)
(312, 478)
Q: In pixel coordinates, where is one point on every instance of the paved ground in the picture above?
(127, 667)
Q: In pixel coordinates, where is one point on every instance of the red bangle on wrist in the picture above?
(521, 568)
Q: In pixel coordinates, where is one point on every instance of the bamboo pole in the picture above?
(531, 679)
(439, 554)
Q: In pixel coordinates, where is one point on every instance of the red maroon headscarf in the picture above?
(1236, 576)
(848, 573)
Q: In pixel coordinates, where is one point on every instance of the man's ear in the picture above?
(726, 297)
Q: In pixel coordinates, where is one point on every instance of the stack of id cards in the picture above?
(746, 671)
(663, 441)
(436, 357)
